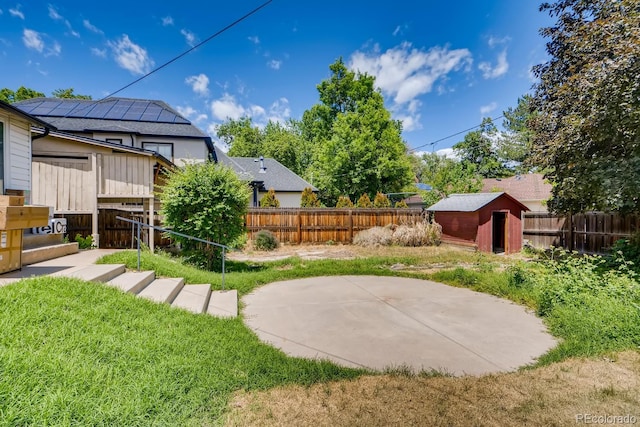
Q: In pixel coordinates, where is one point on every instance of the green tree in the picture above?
(269, 200)
(309, 199)
(243, 138)
(22, 93)
(364, 201)
(446, 176)
(381, 201)
(587, 130)
(207, 201)
(515, 143)
(344, 202)
(359, 148)
(68, 94)
(478, 149)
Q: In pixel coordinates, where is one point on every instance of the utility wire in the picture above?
(452, 135)
(237, 21)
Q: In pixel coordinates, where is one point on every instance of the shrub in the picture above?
(265, 240)
(344, 202)
(625, 252)
(401, 204)
(381, 201)
(84, 242)
(270, 200)
(309, 199)
(364, 201)
(207, 201)
(420, 234)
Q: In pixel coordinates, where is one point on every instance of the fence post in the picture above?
(299, 226)
(570, 237)
(350, 226)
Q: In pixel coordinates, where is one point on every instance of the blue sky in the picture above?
(441, 66)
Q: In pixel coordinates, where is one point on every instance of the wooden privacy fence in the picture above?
(321, 225)
(588, 233)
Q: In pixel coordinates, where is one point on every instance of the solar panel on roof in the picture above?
(167, 116)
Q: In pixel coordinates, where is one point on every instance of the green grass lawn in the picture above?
(75, 353)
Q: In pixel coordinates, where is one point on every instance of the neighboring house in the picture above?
(529, 189)
(490, 222)
(263, 174)
(15, 149)
(82, 177)
(134, 123)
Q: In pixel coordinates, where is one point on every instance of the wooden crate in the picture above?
(11, 200)
(19, 217)
(10, 250)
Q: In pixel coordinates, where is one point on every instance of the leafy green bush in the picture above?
(265, 240)
(206, 201)
(364, 201)
(381, 201)
(84, 242)
(626, 252)
(270, 200)
(344, 202)
(309, 199)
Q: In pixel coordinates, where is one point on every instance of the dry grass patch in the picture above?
(548, 396)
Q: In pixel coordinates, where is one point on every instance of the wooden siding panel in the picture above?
(66, 185)
(125, 176)
(19, 161)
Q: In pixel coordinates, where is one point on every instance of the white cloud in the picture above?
(496, 41)
(53, 14)
(274, 64)
(400, 29)
(33, 40)
(54, 50)
(189, 37)
(227, 108)
(489, 108)
(131, 56)
(404, 73)
(192, 114)
(448, 153)
(89, 26)
(254, 39)
(199, 84)
(102, 53)
(501, 67)
(279, 111)
(16, 12)
(166, 21)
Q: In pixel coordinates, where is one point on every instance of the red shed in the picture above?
(489, 221)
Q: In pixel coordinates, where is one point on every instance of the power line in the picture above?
(452, 135)
(237, 21)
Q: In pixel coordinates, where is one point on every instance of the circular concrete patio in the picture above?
(385, 322)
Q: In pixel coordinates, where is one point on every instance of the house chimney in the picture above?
(262, 168)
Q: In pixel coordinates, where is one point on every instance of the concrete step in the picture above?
(93, 273)
(194, 298)
(223, 303)
(162, 290)
(35, 255)
(133, 281)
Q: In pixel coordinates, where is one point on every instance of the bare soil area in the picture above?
(604, 391)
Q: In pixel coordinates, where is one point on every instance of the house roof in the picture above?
(531, 186)
(123, 115)
(26, 116)
(275, 175)
(468, 202)
(97, 142)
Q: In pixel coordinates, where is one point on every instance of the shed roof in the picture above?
(530, 186)
(275, 175)
(468, 202)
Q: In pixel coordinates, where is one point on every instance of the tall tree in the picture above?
(447, 176)
(358, 147)
(515, 143)
(588, 103)
(68, 94)
(23, 93)
(242, 137)
(479, 149)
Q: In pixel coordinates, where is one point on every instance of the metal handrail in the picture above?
(142, 224)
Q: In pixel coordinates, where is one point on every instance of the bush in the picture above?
(265, 240)
(401, 204)
(364, 201)
(344, 202)
(207, 201)
(420, 234)
(309, 199)
(84, 242)
(381, 201)
(625, 252)
(270, 200)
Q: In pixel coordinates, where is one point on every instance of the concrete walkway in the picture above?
(68, 263)
(381, 322)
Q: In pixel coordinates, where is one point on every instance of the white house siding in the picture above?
(17, 153)
(286, 199)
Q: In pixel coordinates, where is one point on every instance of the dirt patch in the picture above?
(308, 252)
(555, 395)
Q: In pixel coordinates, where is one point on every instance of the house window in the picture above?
(114, 140)
(164, 149)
